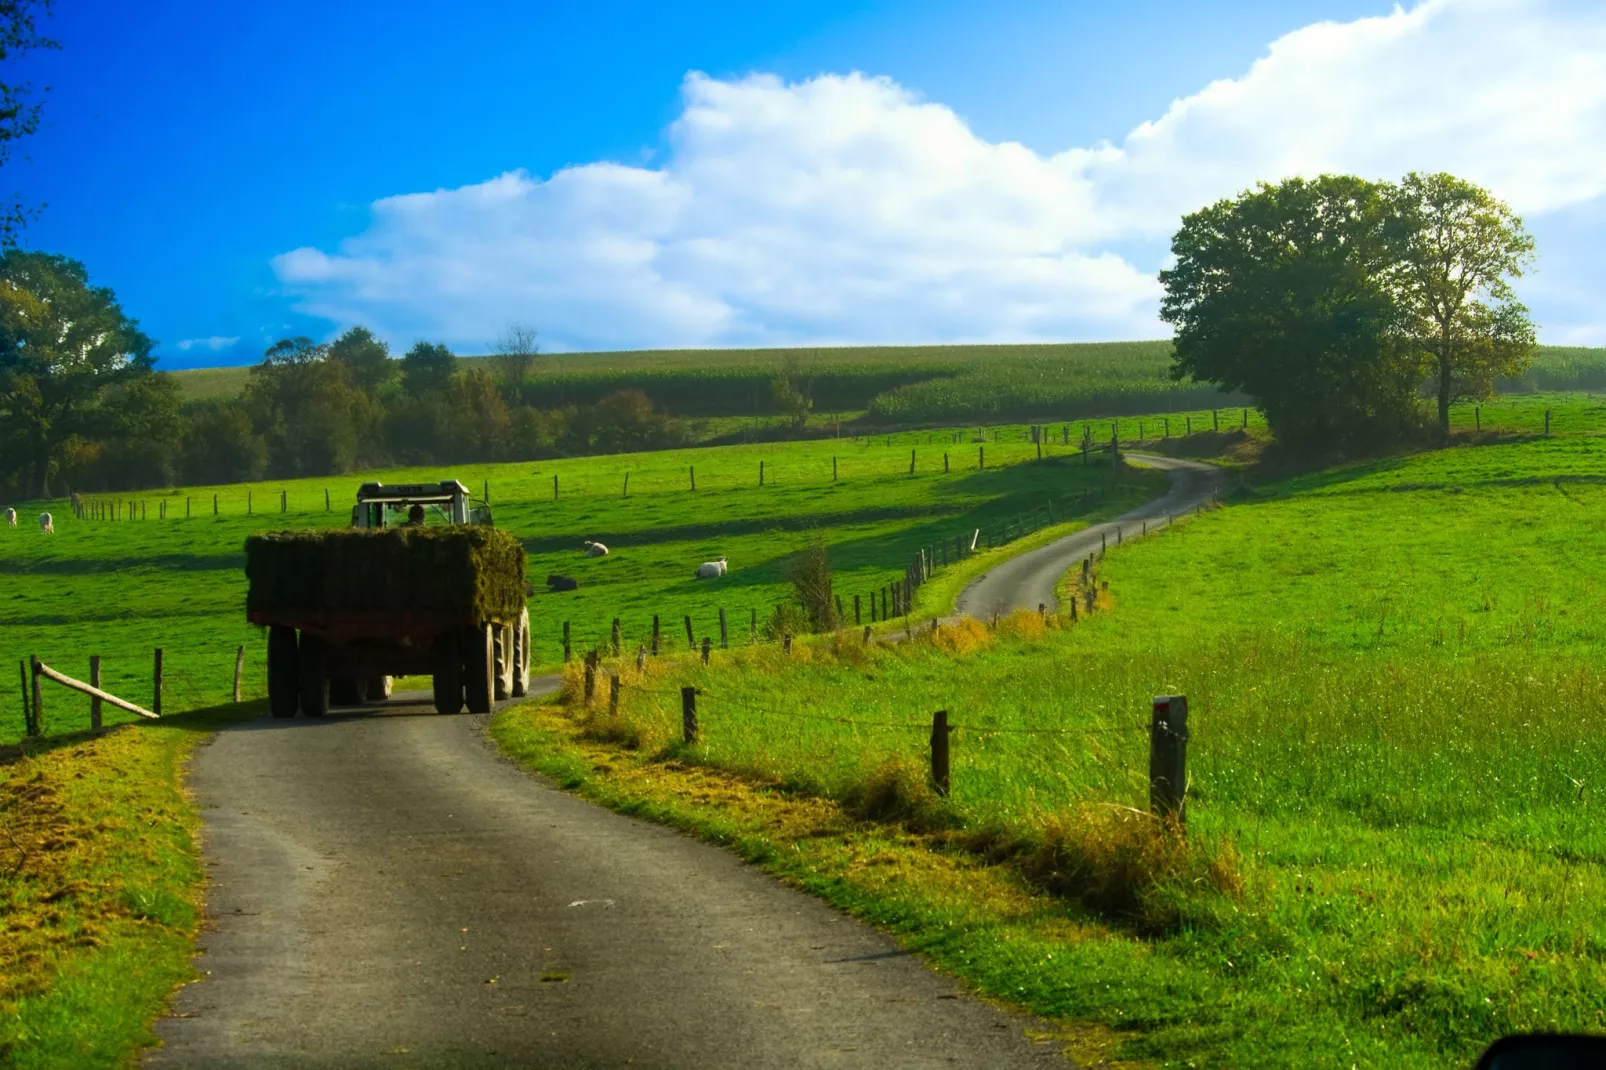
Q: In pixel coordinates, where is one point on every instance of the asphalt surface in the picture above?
(385, 890)
(1027, 580)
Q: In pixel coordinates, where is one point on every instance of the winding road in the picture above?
(386, 890)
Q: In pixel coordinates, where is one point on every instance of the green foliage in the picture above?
(1461, 248)
(64, 344)
(366, 359)
(1286, 294)
(428, 368)
(310, 413)
(20, 111)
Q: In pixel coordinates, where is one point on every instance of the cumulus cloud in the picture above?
(212, 344)
(847, 208)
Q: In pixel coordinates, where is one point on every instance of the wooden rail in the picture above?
(41, 669)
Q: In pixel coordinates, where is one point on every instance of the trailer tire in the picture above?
(503, 635)
(379, 688)
(521, 655)
(284, 676)
(479, 668)
(313, 663)
(448, 658)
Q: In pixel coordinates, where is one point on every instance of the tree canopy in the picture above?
(1333, 301)
(64, 347)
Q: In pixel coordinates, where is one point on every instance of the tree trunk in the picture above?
(1444, 393)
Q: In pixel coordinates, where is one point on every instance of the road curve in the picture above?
(386, 891)
(1028, 580)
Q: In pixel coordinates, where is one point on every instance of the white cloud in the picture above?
(212, 344)
(847, 209)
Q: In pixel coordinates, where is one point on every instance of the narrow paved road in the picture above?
(1027, 580)
(387, 891)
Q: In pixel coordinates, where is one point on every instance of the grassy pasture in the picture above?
(1398, 726)
(122, 588)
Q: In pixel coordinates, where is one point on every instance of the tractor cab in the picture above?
(417, 505)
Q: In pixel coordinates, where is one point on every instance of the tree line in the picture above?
(83, 407)
(1354, 312)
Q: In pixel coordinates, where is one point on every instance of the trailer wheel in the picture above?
(284, 677)
(503, 634)
(479, 668)
(379, 688)
(448, 658)
(314, 676)
(521, 655)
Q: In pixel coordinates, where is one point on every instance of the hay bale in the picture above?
(474, 571)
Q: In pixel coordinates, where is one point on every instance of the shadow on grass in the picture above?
(206, 719)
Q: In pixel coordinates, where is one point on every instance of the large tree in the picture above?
(1460, 248)
(1288, 293)
(428, 367)
(367, 359)
(65, 347)
(516, 352)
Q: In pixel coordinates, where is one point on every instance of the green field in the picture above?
(1397, 744)
(912, 384)
(121, 588)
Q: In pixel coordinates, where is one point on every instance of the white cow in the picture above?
(47, 525)
(595, 549)
(711, 569)
(11, 516)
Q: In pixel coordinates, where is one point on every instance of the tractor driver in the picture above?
(415, 517)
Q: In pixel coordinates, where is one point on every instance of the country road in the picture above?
(386, 890)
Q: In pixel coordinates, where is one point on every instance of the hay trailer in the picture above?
(421, 584)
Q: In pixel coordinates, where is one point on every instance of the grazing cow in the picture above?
(711, 569)
(11, 516)
(556, 583)
(47, 525)
(595, 549)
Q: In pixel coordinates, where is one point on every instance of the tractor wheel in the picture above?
(284, 678)
(378, 688)
(448, 659)
(479, 668)
(348, 690)
(521, 656)
(503, 635)
(314, 676)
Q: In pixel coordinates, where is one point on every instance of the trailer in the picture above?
(421, 584)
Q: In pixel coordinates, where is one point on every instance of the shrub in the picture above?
(810, 575)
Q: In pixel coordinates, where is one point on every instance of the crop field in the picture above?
(1398, 722)
(120, 588)
(912, 384)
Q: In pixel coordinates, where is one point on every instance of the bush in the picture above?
(810, 576)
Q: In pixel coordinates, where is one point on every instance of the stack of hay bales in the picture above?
(475, 572)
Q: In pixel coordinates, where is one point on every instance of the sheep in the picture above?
(711, 569)
(556, 583)
(595, 549)
(11, 516)
(47, 525)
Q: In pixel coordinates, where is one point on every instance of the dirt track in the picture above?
(387, 891)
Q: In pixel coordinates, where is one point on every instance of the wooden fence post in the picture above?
(939, 751)
(691, 470)
(1168, 757)
(284, 502)
(1477, 417)
(566, 652)
(688, 715)
(1246, 420)
(761, 473)
(707, 644)
(1189, 428)
(857, 619)
(655, 633)
(214, 505)
(840, 615)
(1547, 423)
(554, 486)
(37, 728)
(326, 499)
(616, 637)
(1215, 420)
(981, 458)
(911, 462)
(626, 492)
(641, 659)
(724, 634)
(691, 641)
(752, 626)
(591, 675)
(156, 697)
(27, 702)
(613, 694)
(94, 700)
(833, 468)
(247, 503)
(239, 671)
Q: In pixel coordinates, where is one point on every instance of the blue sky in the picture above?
(651, 175)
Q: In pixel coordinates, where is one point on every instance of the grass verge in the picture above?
(100, 881)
